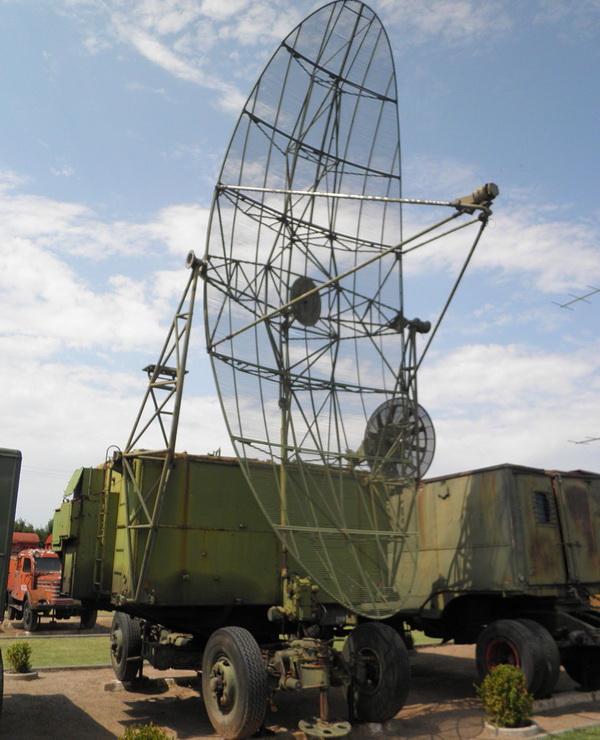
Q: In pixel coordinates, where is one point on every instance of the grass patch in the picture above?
(48, 652)
(583, 734)
(421, 638)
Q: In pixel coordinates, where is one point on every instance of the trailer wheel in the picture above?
(378, 661)
(125, 646)
(509, 641)
(88, 619)
(551, 656)
(30, 617)
(234, 683)
(582, 665)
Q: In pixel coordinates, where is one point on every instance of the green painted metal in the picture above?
(508, 530)
(212, 545)
(75, 533)
(10, 469)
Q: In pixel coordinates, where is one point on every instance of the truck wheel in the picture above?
(88, 619)
(1, 683)
(582, 665)
(125, 646)
(12, 612)
(234, 683)
(30, 617)
(551, 656)
(378, 662)
(509, 641)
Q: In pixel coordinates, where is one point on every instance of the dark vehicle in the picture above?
(10, 468)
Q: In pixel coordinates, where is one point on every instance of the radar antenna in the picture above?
(314, 357)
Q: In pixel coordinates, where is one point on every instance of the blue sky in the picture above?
(115, 120)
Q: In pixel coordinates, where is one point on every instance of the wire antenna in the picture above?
(584, 441)
(578, 298)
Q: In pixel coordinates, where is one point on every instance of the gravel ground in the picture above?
(74, 704)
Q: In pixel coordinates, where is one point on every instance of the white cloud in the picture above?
(64, 170)
(69, 337)
(445, 178)
(515, 403)
(574, 18)
(553, 253)
(73, 228)
(44, 248)
(452, 21)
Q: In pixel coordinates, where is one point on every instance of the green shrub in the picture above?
(145, 732)
(505, 698)
(19, 657)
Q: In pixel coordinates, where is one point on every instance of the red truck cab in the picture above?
(34, 588)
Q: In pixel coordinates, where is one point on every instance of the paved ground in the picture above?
(74, 704)
(65, 627)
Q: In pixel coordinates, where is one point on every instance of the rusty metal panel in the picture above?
(540, 528)
(578, 498)
(466, 543)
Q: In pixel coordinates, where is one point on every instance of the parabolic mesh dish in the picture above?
(300, 373)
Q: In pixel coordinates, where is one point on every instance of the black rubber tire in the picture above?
(551, 657)
(88, 619)
(510, 641)
(125, 646)
(378, 662)
(583, 665)
(12, 612)
(237, 650)
(30, 617)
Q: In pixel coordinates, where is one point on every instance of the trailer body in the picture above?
(510, 543)
(10, 469)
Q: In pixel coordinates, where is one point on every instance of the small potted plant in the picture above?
(18, 657)
(145, 732)
(506, 702)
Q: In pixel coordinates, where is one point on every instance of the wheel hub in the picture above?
(502, 651)
(116, 644)
(368, 670)
(223, 684)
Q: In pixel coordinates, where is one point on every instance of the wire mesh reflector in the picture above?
(305, 348)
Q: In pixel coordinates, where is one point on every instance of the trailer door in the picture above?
(578, 498)
(541, 529)
(10, 468)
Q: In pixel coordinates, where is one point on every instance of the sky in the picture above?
(115, 119)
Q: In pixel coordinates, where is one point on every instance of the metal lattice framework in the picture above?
(314, 358)
(304, 313)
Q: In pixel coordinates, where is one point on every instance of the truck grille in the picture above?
(52, 590)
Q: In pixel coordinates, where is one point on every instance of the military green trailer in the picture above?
(10, 468)
(509, 559)
(210, 589)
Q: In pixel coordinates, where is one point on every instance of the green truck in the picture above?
(508, 558)
(10, 468)
(210, 589)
